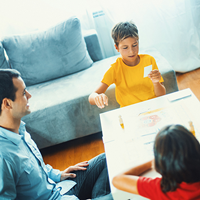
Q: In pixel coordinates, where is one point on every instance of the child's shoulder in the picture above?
(146, 56)
(117, 62)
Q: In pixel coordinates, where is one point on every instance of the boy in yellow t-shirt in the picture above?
(128, 71)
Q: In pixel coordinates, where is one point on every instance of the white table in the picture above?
(123, 148)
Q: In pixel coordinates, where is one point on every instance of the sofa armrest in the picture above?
(167, 73)
(169, 77)
(93, 45)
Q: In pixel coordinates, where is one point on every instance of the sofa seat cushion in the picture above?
(60, 110)
(47, 55)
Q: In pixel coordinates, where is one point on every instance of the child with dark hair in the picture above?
(177, 159)
(127, 73)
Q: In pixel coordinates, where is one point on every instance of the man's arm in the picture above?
(53, 174)
(7, 181)
(127, 181)
(57, 175)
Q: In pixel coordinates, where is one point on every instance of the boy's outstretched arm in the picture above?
(159, 88)
(127, 181)
(98, 97)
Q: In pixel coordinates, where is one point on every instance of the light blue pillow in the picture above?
(3, 61)
(47, 55)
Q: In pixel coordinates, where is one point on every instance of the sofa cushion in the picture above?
(59, 115)
(3, 61)
(47, 55)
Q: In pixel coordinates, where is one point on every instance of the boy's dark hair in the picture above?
(7, 88)
(177, 157)
(124, 30)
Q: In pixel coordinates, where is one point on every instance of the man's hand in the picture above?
(155, 76)
(101, 100)
(67, 172)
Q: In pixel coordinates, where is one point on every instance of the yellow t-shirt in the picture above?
(131, 85)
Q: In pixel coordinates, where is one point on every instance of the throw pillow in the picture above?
(47, 55)
(3, 61)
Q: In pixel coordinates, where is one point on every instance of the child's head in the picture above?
(125, 35)
(177, 157)
(124, 30)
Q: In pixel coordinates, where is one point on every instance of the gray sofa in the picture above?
(61, 67)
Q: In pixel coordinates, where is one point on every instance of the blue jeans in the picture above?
(92, 183)
(106, 197)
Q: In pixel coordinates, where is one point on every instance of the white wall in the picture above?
(172, 27)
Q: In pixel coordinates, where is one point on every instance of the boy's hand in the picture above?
(155, 76)
(101, 100)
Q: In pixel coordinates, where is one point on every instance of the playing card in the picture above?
(147, 70)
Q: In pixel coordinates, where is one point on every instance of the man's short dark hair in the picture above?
(7, 88)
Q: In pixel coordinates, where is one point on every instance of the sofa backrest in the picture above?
(50, 54)
(3, 61)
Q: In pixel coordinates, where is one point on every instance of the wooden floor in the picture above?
(69, 153)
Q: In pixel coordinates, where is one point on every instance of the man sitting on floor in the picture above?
(23, 174)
